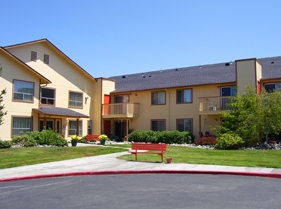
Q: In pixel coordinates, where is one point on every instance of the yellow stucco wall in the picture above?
(65, 77)
(246, 74)
(12, 70)
(172, 111)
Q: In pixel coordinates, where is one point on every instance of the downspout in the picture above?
(101, 96)
(169, 111)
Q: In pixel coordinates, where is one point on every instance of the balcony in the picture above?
(120, 110)
(214, 105)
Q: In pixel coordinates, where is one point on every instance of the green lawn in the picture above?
(249, 158)
(14, 157)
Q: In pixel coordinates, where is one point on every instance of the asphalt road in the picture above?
(151, 191)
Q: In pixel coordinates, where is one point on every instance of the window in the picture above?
(227, 91)
(23, 91)
(33, 56)
(46, 58)
(184, 96)
(184, 125)
(271, 87)
(72, 127)
(158, 98)
(21, 125)
(158, 125)
(75, 99)
(121, 98)
(47, 96)
(90, 126)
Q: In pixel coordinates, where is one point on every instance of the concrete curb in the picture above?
(127, 172)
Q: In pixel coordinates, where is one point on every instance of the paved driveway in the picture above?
(151, 191)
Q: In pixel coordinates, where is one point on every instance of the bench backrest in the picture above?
(148, 146)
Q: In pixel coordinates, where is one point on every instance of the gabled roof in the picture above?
(191, 76)
(43, 80)
(59, 111)
(48, 43)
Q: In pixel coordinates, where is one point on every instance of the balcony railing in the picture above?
(214, 105)
(120, 110)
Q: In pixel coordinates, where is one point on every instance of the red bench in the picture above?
(90, 137)
(147, 148)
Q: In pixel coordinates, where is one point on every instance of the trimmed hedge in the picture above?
(167, 137)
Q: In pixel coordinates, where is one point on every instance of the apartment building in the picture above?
(46, 89)
(186, 99)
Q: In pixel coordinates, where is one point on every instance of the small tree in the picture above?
(270, 122)
(2, 106)
(241, 119)
(253, 116)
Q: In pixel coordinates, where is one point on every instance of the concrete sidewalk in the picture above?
(109, 164)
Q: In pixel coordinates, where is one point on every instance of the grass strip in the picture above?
(29, 156)
(248, 158)
(245, 158)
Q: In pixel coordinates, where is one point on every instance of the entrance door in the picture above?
(106, 101)
(107, 127)
(120, 129)
(49, 124)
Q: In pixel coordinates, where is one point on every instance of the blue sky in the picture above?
(117, 37)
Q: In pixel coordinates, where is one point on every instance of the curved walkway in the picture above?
(109, 164)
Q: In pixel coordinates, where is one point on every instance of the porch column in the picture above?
(127, 129)
(200, 128)
(77, 127)
(44, 123)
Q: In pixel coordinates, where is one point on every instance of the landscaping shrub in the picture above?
(113, 137)
(229, 141)
(45, 137)
(205, 141)
(24, 140)
(37, 136)
(167, 137)
(49, 137)
(5, 144)
(138, 136)
(83, 140)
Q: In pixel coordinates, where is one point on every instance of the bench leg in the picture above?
(136, 156)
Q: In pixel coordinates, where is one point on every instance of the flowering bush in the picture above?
(75, 138)
(103, 137)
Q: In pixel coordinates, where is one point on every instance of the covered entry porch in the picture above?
(58, 119)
